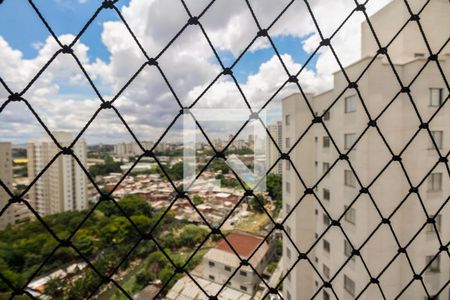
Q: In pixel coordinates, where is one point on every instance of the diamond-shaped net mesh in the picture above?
(148, 236)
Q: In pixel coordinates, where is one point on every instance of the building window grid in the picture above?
(350, 104)
(287, 120)
(326, 246)
(349, 285)
(350, 215)
(436, 97)
(326, 194)
(326, 271)
(435, 182)
(326, 142)
(435, 265)
(348, 249)
(349, 140)
(349, 178)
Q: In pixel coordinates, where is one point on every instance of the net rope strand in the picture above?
(219, 155)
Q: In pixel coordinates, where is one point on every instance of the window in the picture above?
(349, 140)
(288, 165)
(326, 194)
(326, 142)
(287, 120)
(289, 276)
(430, 227)
(244, 288)
(349, 285)
(211, 277)
(434, 266)
(243, 273)
(326, 272)
(326, 220)
(350, 215)
(288, 252)
(326, 296)
(350, 104)
(288, 143)
(326, 246)
(326, 116)
(288, 187)
(227, 268)
(325, 167)
(435, 97)
(211, 264)
(349, 178)
(347, 249)
(435, 182)
(437, 137)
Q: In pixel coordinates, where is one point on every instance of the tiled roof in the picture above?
(242, 242)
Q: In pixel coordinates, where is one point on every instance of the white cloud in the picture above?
(66, 100)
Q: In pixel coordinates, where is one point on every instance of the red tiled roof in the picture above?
(242, 242)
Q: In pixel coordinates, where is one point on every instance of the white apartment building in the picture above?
(220, 262)
(346, 121)
(272, 152)
(63, 187)
(16, 212)
(6, 176)
(125, 150)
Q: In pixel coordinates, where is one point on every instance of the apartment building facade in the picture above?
(405, 210)
(272, 152)
(63, 187)
(16, 212)
(220, 262)
(6, 176)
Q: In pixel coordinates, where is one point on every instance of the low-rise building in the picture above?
(220, 262)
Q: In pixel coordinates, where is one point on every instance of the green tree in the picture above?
(197, 200)
(109, 166)
(142, 278)
(274, 184)
(256, 205)
(192, 235)
(54, 288)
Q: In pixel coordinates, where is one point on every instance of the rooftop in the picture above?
(242, 242)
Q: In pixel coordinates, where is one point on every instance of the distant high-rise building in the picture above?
(6, 176)
(63, 187)
(272, 153)
(337, 191)
(15, 212)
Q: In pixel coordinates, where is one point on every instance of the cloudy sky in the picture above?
(64, 99)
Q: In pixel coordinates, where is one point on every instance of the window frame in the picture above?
(440, 96)
(348, 144)
(350, 215)
(287, 119)
(350, 107)
(433, 185)
(351, 290)
(349, 178)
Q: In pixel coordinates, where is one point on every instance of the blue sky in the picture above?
(24, 31)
